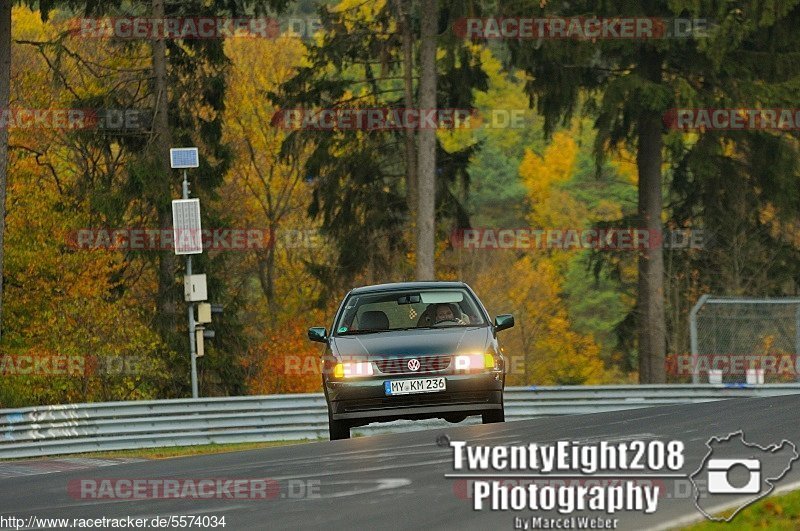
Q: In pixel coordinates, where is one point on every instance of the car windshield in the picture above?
(404, 310)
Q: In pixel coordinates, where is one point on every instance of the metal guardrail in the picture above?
(77, 428)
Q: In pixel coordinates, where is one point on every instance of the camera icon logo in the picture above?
(718, 482)
(735, 473)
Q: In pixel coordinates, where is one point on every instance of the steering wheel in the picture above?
(454, 320)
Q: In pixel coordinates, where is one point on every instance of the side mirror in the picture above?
(501, 322)
(318, 334)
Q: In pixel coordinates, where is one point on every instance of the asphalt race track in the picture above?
(398, 480)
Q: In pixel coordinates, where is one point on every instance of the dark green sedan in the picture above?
(412, 350)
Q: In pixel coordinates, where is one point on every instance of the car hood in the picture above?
(414, 343)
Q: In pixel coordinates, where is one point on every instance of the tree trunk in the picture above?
(167, 292)
(5, 97)
(404, 23)
(426, 190)
(650, 297)
(266, 277)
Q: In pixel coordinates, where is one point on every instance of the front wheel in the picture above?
(493, 416)
(338, 429)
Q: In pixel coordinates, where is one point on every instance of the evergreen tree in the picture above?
(633, 83)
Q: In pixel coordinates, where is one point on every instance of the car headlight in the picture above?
(353, 369)
(467, 362)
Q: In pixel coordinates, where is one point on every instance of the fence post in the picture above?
(693, 336)
(796, 343)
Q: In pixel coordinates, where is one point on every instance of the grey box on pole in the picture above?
(204, 313)
(194, 288)
(201, 351)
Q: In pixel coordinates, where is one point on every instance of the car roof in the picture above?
(427, 284)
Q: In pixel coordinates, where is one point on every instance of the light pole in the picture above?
(190, 311)
(187, 236)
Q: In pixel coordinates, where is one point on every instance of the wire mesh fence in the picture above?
(737, 339)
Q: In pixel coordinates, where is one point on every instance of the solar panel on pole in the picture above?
(184, 158)
(186, 228)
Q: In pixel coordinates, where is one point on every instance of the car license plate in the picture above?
(407, 387)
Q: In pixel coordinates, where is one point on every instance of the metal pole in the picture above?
(190, 312)
(693, 337)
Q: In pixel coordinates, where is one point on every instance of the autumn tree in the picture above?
(269, 193)
(63, 301)
(360, 178)
(264, 191)
(5, 91)
(122, 181)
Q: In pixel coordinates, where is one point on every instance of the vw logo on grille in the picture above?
(413, 364)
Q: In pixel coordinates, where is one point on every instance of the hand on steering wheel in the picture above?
(454, 319)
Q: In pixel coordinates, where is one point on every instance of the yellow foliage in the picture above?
(552, 207)
(541, 348)
(360, 9)
(624, 163)
(541, 173)
(505, 99)
(263, 191)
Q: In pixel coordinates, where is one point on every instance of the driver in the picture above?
(449, 312)
(444, 313)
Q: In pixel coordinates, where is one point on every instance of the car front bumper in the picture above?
(364, 400)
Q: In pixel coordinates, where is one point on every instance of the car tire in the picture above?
(493, 416)
(338, 429)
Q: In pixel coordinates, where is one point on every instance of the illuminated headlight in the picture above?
(466, 362)
(353, 369)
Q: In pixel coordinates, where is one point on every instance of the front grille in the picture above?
(400, 365)
(425, 399)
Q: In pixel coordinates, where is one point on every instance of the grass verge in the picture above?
(775, 512)
(177, 451)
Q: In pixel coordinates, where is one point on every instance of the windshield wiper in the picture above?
(356, 332)
(433, 327)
